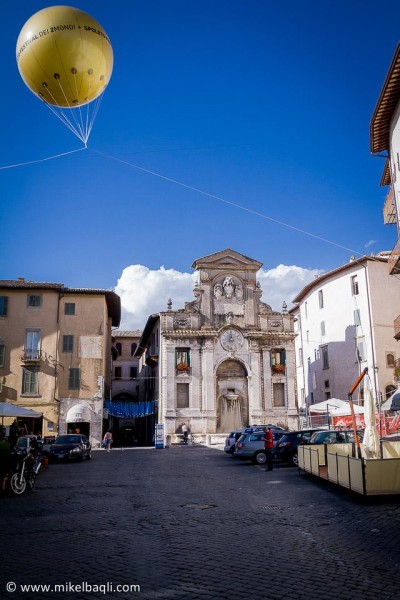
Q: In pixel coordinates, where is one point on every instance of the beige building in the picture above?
(344, 324)
(385, 138)
(55, 353)
(223, 361)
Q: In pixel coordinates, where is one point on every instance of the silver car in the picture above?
(250, 446)
(231, 440)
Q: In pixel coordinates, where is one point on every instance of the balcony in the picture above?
(278, 369)
(151, 356)
(397, 328)
(394, 260)
(31, 356)
(182, 369)
(389, 209)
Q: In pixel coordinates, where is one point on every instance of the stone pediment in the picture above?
(227, 259)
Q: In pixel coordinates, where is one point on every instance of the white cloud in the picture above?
(283, 283)
(370, 243)
(144, 292)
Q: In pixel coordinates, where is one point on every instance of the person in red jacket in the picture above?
(268, 445)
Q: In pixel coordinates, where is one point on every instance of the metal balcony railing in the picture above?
(397, 328)
(182, 369)
(394, 260)
(31, 355)
(389, 209)
(278, 369)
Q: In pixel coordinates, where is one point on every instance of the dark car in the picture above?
(335, 436)
(71, 447)
(286, 447)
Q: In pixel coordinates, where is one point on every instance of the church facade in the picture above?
(224, 361)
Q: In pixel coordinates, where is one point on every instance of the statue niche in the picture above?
(232, 396)
(228, 297)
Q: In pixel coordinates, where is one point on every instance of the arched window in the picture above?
(133, 349)
(119, 348)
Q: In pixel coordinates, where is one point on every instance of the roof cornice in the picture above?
(385, 107)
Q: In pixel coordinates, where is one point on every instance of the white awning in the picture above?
(327, 405)
(344, 411)
(79, 413)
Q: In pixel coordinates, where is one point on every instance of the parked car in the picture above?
(286, 447)
(231, 440)
(48, 440)
(233, 437)
(262, 427)
(335, 436)
(250, 446)
(71, 447)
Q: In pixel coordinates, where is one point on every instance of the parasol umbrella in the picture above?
(371, 436)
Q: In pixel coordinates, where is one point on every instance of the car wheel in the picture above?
(295, 460)
(260, 458)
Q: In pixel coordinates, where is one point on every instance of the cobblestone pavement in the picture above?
(190, 522)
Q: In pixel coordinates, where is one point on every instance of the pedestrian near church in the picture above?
(268, 445)
(185, 431)
(108, 438)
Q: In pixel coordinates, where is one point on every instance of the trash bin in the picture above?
(167, 441)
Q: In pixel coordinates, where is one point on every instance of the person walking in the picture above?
(185, 431)
(108, 438)
(268, 445)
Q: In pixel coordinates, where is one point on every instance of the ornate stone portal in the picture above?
(238, 353)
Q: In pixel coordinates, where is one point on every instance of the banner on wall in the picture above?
(159, 435)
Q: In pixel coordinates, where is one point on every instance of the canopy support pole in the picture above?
(353, 416)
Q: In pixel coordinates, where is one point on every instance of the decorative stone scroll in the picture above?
(181, 322)
(275, 324)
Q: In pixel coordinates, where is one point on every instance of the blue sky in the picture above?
(263, 105)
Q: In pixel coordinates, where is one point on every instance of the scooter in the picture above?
(26, 464)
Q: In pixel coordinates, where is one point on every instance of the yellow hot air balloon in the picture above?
(65, 57)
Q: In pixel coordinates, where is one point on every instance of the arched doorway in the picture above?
(232, 396)
(78, 419)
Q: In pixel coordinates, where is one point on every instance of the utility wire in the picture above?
(225, 201)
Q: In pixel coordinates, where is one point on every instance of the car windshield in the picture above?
(326, 437)
(68, 439)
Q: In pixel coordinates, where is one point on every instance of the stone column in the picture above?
(267, 376)
(255, 391)
(168, 383)
(196, 379)
(209, 408)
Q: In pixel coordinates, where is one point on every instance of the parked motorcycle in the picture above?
(26, 463)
